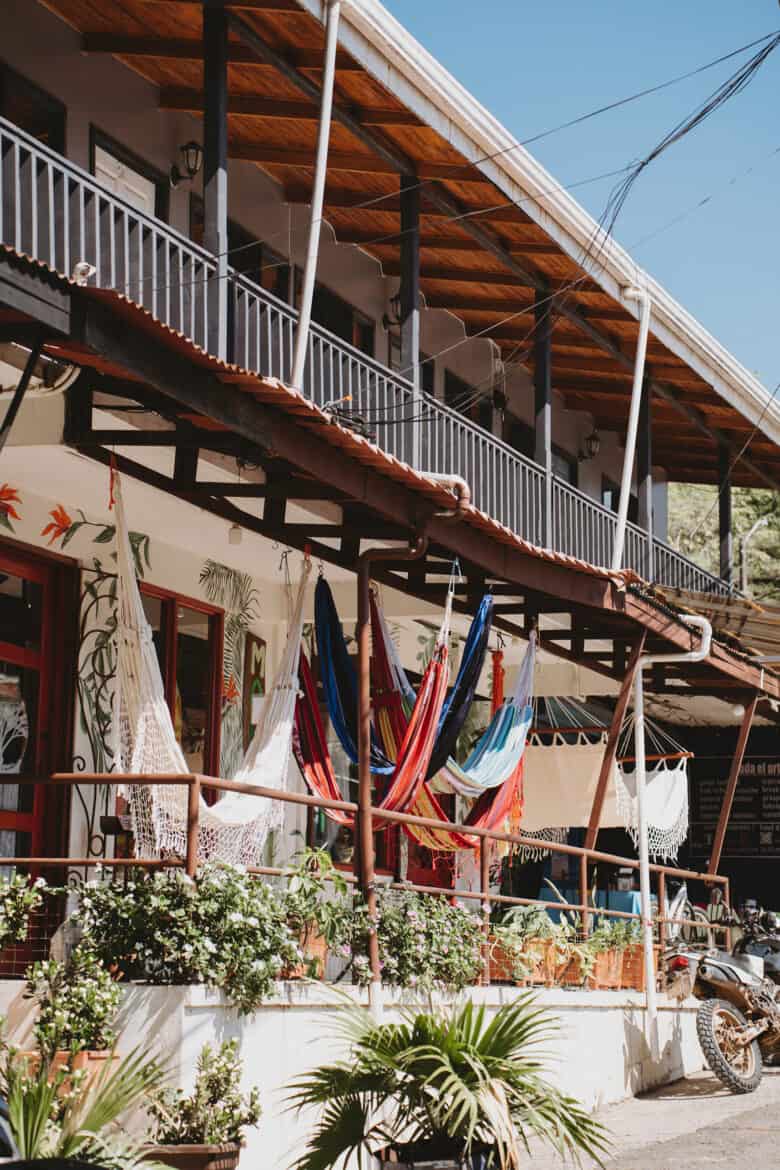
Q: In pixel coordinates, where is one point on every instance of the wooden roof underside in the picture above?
(274, 125)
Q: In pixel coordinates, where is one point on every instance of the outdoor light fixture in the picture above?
(591, 446)
(393, 318)
(191, 161)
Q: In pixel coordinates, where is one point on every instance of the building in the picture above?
(455, 330)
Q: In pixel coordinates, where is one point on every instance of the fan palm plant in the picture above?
(455, 1084)
(54, 1114)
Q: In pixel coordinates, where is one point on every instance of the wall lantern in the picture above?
(591, 446)
(191, 161)
(392, 319)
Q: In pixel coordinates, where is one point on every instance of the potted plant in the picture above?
(77, 1003)
(609, 943)
(455, 1087)
(19, 898)
(80, 1121)
(317, 911)
(425, 942)
(204, 1130)
(525, 946)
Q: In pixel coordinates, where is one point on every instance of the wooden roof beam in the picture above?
(252, 105)
(441, 243)
(246, 5)
(447, 203)
(348, 200)
(341, 161)
(191, 49)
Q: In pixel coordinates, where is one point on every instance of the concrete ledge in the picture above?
(600, 1055)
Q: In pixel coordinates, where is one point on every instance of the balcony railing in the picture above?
(56, 212)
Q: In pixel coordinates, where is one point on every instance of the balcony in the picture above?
(55, 212)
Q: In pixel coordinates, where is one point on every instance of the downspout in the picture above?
(641, 780)
(365, 827)
(462, 493)
(318, 193)
(643, 297)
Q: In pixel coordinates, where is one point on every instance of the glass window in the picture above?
(20, 611)
(610, 498)
(186, 639)
(468, 400)
(564, 466)
(32, 109)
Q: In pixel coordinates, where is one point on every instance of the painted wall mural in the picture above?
(234, 592)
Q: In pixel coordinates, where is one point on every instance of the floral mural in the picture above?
(9, 497)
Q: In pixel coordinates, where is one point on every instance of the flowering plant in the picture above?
(316, 901)
(19, 898)
(215, 1112)
(225, 929)
(77, 1003)
(424, 942)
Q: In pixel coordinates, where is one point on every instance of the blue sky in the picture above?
(536, 64)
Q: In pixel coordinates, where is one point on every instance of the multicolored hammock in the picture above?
(340, 683)
(410, 767)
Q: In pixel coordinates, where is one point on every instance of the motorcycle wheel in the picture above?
(739, 1069)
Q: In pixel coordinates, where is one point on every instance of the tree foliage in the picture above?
(693, 530)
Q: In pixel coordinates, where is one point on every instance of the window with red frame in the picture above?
(188, 639)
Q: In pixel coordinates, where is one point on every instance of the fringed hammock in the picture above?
(236, 827)
(666, 788)
(563, 762)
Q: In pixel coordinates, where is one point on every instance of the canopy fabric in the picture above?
(235, 828)
(340, 683)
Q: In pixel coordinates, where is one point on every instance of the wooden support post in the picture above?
(724, 515)
(409, 293)
(365, 827)
(215, 155)
(644, 475)
(584, 894)
(610, 749)
(484, 889)
(543, 413)
(731, 787)
(193, 827)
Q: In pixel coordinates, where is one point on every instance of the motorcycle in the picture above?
(738, 1021)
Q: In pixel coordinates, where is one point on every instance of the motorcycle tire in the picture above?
(741, 1074)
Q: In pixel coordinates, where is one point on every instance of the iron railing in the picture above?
(55, 212)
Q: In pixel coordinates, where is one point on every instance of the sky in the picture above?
(535, 65)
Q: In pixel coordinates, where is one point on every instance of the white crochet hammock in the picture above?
(234, 829)
(666, 788)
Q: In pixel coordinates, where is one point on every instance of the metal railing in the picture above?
(54, 211)
(583, 911)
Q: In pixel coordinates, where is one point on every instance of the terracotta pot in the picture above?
(569, 972)
(633, 973)
(607, 971)
(197, 1157)
(315, 949)
(539, 955)
(93, 1060)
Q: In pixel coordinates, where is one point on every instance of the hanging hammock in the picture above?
(236, 827)
(666, 788)
(563, 762)
(340, 683)
(495, 757)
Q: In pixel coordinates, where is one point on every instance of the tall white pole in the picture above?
(318, 194)
(641, 295)
(640, 776)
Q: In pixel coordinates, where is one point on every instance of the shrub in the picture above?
(225, 929)
(19, 898)
(215, 1112)
(77, 1003)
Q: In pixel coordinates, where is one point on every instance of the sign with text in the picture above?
(754, 826)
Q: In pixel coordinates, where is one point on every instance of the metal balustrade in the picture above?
(55, 212)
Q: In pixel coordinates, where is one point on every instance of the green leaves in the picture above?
(19, 898)
(77, 1002)
(215, 1112)
(457, 1081)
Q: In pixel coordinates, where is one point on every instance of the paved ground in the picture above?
(692, 1125)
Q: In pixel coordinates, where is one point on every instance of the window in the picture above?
(468, 401)
(128, 176)
(427, 363)
(32, 109)
(335, 314)
(246, 254)
(188, 640)
(520, 435)
(564, 466)
(610, 498)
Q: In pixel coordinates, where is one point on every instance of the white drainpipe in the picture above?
(643, 297)
(318, 193)
(641, 779)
